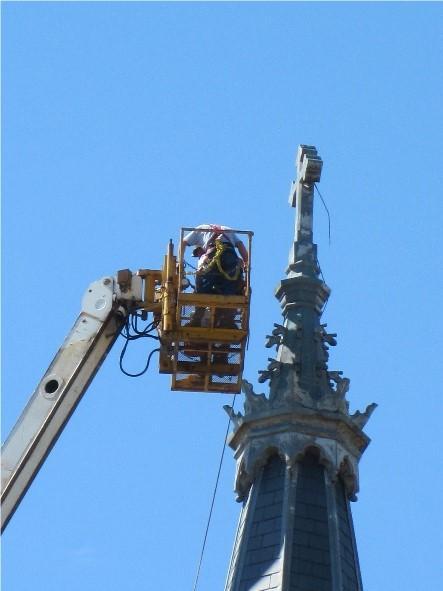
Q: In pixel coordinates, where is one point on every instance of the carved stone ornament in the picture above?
(339, 442)
(291, 427)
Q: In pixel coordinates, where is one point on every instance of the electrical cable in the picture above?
(132, 323)
(213, 500)
(145, 331)
(136, 375)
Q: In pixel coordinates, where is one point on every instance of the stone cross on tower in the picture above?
(297, 449)
(303, 257)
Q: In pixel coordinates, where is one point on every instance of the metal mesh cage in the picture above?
(209, 345)
(211, 316)
(208, 366)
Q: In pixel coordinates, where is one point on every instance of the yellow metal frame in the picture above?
(220, 350)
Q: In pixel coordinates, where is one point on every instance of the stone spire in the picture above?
(297, 449)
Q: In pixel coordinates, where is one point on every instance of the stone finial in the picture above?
(277, 336)
(273, 369)
(253, 402)
(361, 418)
(236, 418)
(329, 338)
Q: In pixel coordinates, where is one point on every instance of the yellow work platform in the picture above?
(203, 336)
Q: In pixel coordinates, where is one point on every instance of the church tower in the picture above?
(297, 449)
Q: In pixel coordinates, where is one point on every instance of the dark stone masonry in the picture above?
(298, 448)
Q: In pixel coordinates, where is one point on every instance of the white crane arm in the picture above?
(103, 314)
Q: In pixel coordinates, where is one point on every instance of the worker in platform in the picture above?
(220, 268)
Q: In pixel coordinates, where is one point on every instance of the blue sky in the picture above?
(123, 122)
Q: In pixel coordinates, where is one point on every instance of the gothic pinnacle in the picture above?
(298, 449)
(298, 373)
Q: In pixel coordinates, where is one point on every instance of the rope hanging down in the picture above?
(213, 500)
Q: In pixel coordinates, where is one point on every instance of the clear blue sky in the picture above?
(123, 122)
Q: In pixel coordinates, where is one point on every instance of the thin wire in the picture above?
(329, 236)
(327, 211)
(189, 265)
(213, 500)
(321, 272)
(324, 308)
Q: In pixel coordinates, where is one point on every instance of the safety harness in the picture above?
(215, 261)
(220, 247)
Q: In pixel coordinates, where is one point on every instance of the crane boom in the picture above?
(202, 340)
(60, 390)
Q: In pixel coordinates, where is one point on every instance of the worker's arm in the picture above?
(197, 252)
